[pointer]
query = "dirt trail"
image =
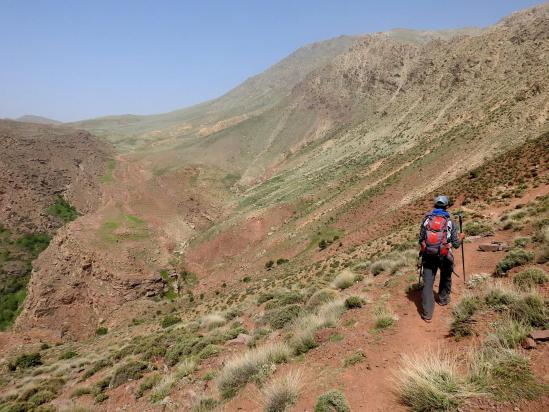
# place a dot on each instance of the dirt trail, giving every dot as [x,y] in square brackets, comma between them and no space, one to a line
[370,385]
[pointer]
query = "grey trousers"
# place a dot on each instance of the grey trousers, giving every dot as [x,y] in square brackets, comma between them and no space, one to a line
[430,267]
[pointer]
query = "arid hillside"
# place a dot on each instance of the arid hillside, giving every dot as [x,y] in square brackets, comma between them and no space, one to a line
[229,251]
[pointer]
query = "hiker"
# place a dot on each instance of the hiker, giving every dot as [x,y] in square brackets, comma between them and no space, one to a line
[437,235]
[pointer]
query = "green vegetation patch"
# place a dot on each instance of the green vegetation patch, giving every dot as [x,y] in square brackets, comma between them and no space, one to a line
[530,278]
[280,317]
[515,257]
[332,401]
[63,210]
[25,361]
[462,323]
[107,177]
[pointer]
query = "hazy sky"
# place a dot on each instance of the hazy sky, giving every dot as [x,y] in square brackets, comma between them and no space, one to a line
[78,59]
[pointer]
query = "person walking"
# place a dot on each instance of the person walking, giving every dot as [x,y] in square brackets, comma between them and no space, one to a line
[437,235]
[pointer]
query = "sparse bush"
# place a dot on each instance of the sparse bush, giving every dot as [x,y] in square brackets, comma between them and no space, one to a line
[542,237]
[101,397]
[102,330]
[432,383]
[354,302]
[68,354]
[209,351]
[283,298]
[530,278]
[170,320]
[463,316]
[505,374]
[476,228]
[515,257]
[353,358]
[163,388]
[280,394]
[520,242]
[242,368]
[332,401]
[500,296]
[96,367]
[27,360]
[278,318]
[344,280]
[127,372]
[477,279]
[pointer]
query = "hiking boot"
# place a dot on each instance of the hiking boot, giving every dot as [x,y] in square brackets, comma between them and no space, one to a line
[426,319]
[444,302]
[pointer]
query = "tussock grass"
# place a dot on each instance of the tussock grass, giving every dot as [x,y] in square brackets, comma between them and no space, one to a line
[332,401]
[393,262]
[500,295]
[244,367]
[304,328]
[205,404]
[530,278]
[321,297]
[431,383]
[462,323]
[212,321]
[345,279]
[531,309]
[477,279]
[164,387]
[280,394]
[146,384]
[384,317]
[509,333]
[353,358]
[504,373]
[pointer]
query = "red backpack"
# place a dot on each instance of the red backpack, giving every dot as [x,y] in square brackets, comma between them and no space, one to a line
[436,236]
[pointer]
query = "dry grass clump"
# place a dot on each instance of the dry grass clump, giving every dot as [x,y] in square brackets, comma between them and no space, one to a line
[384,317]
[477,280]
[509,333]
[243,368]
[431,383]
[212,321]
[345,279]
[280,394]
[394,261]
[462,324]
[164,387]
[303,330]
[321,297]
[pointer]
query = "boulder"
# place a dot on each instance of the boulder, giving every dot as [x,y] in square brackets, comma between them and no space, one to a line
[540,335]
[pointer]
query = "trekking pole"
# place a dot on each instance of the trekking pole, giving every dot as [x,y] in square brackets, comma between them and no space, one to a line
[460,215]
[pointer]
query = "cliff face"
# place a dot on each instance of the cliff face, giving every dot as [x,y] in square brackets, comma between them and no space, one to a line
[38,163]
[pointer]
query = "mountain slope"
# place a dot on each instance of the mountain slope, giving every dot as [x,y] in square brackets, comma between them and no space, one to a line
[30,118]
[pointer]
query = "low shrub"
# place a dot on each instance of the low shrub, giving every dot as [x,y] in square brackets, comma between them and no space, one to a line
[169,320]
[280,394]
[127,372]
[209,351]
[354,302]
[530,278]
[280,317]
[283,298]
[332,401]
[96,367]
[476,228]
[205,405]
[515,257]
[68,355]
[102,330]
[27,360]
[41,397]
